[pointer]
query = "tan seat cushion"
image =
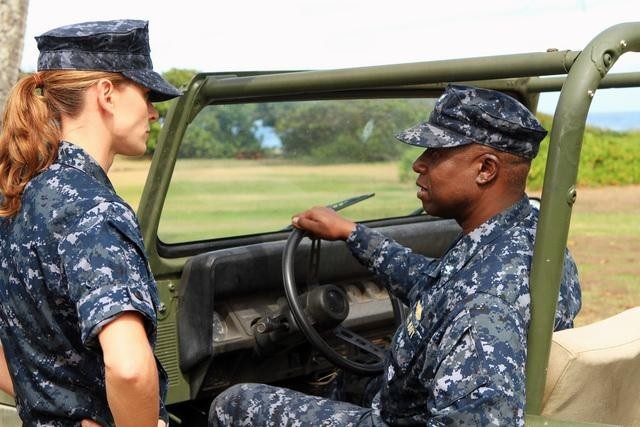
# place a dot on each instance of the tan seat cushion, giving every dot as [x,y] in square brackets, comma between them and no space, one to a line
[594,372]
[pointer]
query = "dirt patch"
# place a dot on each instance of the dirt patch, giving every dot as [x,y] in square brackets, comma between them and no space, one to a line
[609,274]
[605,199]
[609,264]
[609,199]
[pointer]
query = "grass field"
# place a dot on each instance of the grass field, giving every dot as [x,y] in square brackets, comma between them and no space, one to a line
[226,197]
[605,241]
[221,198]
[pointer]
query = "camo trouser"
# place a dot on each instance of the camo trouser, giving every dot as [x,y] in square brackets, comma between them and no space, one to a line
[264,405]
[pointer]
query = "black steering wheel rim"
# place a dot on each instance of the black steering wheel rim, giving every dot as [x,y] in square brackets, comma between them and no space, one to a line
[301,319]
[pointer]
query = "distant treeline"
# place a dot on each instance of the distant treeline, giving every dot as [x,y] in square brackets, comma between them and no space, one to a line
[363,131]
[607,158]
[319,131]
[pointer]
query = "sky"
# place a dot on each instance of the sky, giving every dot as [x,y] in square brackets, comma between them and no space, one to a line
[240,35]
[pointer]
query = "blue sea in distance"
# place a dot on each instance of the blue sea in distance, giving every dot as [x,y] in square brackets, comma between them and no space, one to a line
[617,121]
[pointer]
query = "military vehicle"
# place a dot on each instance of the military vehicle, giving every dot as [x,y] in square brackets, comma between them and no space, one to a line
[246,299]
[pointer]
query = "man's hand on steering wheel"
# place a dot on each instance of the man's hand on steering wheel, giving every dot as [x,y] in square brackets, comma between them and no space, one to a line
[324,223]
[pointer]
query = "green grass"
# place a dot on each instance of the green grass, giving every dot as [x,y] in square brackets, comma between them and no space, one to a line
[610,224]
[229,198]
[222,198]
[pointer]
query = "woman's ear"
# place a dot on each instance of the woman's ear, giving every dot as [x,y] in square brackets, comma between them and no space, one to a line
[105,95]
[488,167]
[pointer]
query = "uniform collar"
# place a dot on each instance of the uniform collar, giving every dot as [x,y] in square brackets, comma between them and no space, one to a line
[464,248]
[494,227]
[73,156]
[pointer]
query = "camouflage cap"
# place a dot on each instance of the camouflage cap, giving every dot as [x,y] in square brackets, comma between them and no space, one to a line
[465,115]
[120,46]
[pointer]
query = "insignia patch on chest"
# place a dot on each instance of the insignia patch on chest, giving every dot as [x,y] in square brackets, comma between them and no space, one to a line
[413,319]
[411,329]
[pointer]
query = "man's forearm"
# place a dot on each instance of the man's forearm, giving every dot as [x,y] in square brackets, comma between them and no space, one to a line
[395,265]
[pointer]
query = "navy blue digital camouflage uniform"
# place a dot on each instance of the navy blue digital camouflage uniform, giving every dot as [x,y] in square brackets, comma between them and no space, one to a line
[71,261]
[72,258]
[460,356]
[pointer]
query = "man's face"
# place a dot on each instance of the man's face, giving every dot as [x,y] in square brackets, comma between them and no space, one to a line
[446,180]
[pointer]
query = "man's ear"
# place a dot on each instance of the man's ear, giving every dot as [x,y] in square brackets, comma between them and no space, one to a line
[105,95]
[488,167]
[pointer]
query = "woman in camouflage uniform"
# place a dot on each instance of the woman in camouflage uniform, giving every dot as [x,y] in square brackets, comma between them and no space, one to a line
[78,313]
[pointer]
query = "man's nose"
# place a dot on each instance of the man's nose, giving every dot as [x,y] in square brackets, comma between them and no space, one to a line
[419,166]
[153,113]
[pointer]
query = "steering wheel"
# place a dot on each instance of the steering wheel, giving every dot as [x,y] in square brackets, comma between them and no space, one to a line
[336,299]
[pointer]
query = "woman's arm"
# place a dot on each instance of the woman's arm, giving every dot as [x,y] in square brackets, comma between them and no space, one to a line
[6,384]
[131,375]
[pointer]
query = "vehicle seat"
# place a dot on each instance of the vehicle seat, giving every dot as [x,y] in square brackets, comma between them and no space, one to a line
[594,372]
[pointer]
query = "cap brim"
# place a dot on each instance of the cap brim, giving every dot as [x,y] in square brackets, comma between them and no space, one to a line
[432,136]
[161,90]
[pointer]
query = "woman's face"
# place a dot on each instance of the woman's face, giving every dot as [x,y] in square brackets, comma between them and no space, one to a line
[133,114]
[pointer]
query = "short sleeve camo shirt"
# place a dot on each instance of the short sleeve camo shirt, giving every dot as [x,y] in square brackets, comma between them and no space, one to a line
[71,260]
[460,356]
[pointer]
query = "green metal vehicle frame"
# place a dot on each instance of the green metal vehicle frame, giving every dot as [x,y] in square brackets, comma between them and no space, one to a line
[576,74]
[585,71]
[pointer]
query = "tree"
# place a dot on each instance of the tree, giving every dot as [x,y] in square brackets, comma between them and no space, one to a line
[13,17]
[179,78]
[222,131]
[359,130]
[349,130]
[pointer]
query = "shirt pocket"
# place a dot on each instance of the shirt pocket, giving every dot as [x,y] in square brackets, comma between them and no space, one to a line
[462,367]
[407,343]
[130,232]
[143,290]
[147,280]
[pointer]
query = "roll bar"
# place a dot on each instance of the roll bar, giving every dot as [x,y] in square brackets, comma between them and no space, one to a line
[585,70]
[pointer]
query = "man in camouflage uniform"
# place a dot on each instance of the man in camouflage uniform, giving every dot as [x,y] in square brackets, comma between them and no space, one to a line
[460,356]
[72,260]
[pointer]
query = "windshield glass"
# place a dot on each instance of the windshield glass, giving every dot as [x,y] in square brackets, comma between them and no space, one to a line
[245,169]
